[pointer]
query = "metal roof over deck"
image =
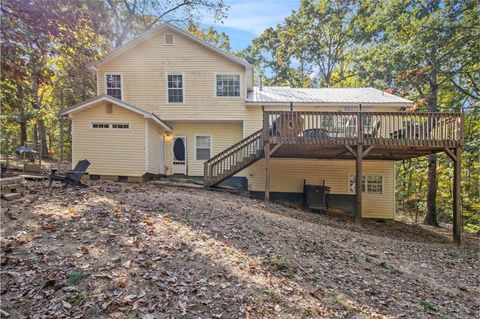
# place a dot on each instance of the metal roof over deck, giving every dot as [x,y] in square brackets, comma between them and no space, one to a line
[367,95]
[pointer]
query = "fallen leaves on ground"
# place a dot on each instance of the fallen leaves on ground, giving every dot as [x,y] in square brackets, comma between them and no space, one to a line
[118,250]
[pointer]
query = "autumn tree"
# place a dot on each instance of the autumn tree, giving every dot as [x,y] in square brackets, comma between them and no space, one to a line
[218,39]
[131,17]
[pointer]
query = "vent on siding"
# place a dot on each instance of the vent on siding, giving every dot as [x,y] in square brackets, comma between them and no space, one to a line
[109,108]
[169,39]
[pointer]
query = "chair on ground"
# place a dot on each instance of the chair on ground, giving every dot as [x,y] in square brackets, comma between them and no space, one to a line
[73,177]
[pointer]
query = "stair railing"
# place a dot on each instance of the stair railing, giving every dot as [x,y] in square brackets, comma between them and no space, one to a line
[233,159]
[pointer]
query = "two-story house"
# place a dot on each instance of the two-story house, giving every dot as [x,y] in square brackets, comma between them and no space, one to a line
[170,103]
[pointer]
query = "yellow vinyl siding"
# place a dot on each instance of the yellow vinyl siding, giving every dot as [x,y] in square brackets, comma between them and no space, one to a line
[110,151]
[144,69]
[154,136]
[287,175]
[223,135]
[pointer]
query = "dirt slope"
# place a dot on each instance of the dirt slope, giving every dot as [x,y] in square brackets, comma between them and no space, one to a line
[149,251]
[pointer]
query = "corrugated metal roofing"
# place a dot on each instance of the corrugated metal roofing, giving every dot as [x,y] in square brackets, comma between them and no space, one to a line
[277,94]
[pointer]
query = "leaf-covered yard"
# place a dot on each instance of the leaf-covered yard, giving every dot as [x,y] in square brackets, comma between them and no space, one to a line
[150,251]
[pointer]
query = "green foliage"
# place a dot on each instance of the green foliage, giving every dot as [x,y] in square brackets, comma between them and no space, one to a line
[218,39]
[75,277]
[427,304]
[426,51]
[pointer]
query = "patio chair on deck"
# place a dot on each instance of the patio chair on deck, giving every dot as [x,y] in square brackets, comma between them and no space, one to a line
[73,177]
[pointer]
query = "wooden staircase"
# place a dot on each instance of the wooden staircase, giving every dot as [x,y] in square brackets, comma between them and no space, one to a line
[234,159]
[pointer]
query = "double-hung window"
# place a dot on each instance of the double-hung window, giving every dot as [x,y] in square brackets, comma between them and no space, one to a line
[228,85]
[175,88]
[203,145]
[114,85]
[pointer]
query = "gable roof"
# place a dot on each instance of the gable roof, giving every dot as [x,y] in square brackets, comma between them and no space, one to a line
[367,95]
[152,32]
[107,98]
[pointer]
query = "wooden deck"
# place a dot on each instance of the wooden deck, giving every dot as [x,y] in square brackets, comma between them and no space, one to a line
[391,135]
[345,135]
[365,136]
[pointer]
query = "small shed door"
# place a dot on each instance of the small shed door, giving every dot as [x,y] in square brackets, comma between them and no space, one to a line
[161,155]
[180,155]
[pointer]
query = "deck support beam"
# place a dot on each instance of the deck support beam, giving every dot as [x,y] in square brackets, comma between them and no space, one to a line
[267,171]
[457,205]
[358,184]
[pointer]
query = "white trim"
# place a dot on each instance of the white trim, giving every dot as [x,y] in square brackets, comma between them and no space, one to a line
[73,141]
[215,85]
[195,146]
[173,153]
[394,188]
[166,87]
[165,39]
[105,74]
[107,98]
[146,145]
[98,82]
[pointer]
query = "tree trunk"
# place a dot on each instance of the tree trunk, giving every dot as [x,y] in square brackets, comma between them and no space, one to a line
[431,213]
[43,137]
[23,131]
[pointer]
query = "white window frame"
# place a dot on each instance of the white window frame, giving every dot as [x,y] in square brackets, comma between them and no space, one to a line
[183,87]
[195,146]
[226,97]
[110,126]
[121,83]
[165,39]
[352,176]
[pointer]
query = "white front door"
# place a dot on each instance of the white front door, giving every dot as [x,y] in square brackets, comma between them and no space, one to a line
[161,156]
[180,155]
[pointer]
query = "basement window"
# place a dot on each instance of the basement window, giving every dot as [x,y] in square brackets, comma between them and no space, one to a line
[371,184]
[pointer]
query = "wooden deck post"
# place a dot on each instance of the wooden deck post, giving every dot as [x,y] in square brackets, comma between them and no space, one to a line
[266,150]
[457,205]
[267,171]
[358,167]
[358,184]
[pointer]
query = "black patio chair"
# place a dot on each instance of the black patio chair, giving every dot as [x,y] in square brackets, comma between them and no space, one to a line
[73,177]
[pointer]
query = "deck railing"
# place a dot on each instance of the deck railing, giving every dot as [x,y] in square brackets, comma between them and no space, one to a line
[233,159]
[378,128]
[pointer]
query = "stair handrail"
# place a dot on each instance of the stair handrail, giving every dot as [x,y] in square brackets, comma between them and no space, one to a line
[243,142]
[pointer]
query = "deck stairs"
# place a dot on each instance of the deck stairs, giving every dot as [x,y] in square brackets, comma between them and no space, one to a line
[234,159]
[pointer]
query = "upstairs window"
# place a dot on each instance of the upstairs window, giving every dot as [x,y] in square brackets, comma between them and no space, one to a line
[203,147]
[228,85]
[114,85]
[175,88]
[169,39]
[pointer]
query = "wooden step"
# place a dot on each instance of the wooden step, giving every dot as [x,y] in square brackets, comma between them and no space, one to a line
[12,188]
[11,196]
[11,180]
